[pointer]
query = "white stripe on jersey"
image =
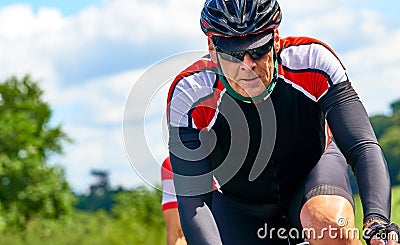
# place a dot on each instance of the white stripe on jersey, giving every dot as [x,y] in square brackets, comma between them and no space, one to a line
[187,92]
[217,110]
[319,58]
[168,191]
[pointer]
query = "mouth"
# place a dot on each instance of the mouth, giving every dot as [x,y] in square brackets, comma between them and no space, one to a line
[250,80]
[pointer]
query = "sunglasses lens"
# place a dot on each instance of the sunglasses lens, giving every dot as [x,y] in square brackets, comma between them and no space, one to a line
[261,51]
[265,49]
[238,56]
[235,57]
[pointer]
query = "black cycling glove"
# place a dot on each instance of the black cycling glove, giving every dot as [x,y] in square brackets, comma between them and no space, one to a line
[381,231]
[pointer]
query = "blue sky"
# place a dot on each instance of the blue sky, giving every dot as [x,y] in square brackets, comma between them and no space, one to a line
[389,9]
[66,7]
[90,55]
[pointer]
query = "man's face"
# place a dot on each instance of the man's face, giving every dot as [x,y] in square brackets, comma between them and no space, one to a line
[253,72]
[250,77]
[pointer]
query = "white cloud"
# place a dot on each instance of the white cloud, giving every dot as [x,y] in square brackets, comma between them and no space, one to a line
[37,43]
[375,71]
[372,24]
[23,23]
[103,98]
[28,42]
[96,148]
[137,22]
[360,35]
[328,25]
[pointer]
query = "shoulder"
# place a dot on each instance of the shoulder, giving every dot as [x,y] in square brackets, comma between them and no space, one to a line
[201,73]
[302,42]
[195,86]
[309,65]
[307,48]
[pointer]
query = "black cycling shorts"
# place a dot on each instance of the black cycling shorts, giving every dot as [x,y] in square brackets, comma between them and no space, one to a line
[248,223]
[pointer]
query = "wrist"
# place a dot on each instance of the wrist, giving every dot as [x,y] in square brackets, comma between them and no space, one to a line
[374,217]
[369,222]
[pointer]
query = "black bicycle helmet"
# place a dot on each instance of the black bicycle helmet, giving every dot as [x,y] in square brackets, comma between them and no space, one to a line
[239,17]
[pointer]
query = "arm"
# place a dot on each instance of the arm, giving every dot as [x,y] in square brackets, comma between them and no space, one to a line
[174,231]
[193,192]
[189,154]
[355,137]
[351,128]
[170,206]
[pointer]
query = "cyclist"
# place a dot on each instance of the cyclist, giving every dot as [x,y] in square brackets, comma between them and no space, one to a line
[170,206]
[260,115]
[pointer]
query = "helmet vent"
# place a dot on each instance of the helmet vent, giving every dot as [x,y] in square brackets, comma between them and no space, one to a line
[239,17]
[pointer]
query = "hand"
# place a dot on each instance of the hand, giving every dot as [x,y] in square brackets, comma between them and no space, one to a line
[391,241]
[382,234]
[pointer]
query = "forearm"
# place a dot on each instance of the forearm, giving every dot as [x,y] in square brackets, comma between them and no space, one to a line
[354,135]
[194,201]
[175,236]
[197,222]
[173,227]
[366,158]
[373,183]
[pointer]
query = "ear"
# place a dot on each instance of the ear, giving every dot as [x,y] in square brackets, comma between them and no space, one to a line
[277,44]
[211,50]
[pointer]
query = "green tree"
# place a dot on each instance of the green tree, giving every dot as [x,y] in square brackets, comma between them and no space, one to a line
[395,106]
[380,123]
[390,142]
[29,187]
[387,130]
[138,217]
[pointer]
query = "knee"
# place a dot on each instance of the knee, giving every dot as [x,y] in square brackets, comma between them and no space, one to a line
[327,213]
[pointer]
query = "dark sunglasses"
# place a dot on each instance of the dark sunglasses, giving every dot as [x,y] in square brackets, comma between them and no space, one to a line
[238,56]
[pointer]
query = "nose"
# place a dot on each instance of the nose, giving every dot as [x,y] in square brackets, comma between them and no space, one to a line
[248,62]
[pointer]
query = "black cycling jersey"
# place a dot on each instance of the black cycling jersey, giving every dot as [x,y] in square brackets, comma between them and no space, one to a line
[261,151]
